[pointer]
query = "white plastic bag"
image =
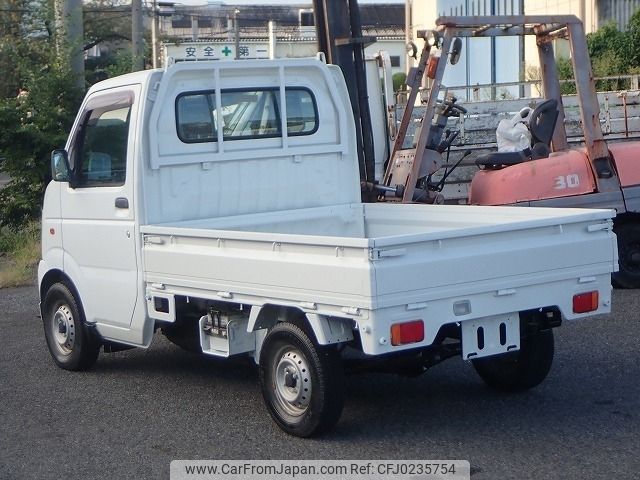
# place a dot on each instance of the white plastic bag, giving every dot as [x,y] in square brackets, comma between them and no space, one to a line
[513,134]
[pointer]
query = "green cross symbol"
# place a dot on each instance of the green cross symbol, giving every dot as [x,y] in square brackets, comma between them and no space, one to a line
[226,51]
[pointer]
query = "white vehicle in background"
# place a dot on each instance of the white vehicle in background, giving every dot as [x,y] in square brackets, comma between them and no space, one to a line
[220,202]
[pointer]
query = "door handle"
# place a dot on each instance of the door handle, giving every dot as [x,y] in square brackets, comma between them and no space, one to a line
[122,202]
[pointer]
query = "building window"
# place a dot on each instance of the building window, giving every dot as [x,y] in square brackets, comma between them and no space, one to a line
[395,60]
[307,18]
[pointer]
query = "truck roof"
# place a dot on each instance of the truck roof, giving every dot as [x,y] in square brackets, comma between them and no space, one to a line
[143,75]
[126,79]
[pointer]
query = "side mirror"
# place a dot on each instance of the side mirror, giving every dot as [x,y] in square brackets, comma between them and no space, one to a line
[60,170]
[456,50]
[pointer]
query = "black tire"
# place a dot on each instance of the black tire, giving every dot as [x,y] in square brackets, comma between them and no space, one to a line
[185,334]
[521,370]
[302,383]
[629,256]
[73,346]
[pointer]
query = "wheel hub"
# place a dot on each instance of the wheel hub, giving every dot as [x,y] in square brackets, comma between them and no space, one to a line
[293,382]
[64,329]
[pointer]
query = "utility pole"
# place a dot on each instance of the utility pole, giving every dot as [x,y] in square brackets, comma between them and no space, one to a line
[137,49]
[70,35]
[236,32]
[154,34]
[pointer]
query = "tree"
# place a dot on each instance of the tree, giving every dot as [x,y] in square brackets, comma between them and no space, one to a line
[38,99]
[36,111]
[613,53]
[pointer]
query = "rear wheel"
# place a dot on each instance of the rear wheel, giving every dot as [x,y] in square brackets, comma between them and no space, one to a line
[521,370]
[302,383]
[71,344]
[185,333]
[629,256]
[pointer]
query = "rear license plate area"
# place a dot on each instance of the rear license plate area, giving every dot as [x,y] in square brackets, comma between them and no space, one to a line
[483,337]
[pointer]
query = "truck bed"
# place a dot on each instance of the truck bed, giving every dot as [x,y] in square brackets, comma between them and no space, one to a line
[367,258]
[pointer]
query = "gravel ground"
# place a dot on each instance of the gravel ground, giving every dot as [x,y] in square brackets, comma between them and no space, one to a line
[139,409]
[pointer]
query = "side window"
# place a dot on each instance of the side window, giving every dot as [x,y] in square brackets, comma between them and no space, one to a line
[302,113]
[99,153]
[196,118]
[247,114]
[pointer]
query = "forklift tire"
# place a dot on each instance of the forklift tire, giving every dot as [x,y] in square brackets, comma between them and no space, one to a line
[521,370]
[73,345]
[302,382]
[629,256]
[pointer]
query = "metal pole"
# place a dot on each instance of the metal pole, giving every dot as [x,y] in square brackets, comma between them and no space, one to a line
[493,56]
[236,31]
[137,55]
[154,34]
[521,48]
[272,39]
[408,32]
[467,59]
[363,97]
[194,27]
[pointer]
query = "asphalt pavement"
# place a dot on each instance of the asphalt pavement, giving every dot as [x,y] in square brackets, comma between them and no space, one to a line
[137,410]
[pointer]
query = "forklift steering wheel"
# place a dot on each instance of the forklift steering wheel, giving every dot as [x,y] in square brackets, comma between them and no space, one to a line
[456,110]
[452,109]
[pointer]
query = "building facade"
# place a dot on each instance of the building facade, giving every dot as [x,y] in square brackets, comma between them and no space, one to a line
[509,59]
[209,32]
[483,60]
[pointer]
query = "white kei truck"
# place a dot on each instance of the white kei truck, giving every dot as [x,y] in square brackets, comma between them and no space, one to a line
[220,203]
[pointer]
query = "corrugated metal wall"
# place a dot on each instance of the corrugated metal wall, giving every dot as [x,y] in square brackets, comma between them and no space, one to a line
[479,7]
[619,11]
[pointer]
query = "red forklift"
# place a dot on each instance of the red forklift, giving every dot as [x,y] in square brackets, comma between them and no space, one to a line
[546,173]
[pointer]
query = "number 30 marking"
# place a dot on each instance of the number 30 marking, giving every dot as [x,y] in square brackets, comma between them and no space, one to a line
[568,181]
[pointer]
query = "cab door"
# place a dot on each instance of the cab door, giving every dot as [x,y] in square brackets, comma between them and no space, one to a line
[98,210]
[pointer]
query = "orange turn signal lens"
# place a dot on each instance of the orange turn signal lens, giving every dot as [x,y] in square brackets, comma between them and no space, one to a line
[586,302]
[408,332]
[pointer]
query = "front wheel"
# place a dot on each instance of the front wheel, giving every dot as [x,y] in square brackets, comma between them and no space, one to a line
[521,370]
[71,344]
[302,383]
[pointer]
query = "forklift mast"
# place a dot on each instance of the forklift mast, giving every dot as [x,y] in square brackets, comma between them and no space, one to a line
[339,36]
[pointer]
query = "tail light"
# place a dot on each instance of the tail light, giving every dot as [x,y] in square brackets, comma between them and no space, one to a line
[407,332]
[585,302]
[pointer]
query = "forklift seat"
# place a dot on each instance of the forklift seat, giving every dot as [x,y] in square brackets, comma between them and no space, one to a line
[542,124]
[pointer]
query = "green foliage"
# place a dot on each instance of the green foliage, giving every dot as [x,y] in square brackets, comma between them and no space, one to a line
[607,40]
[613,53]
[107,22]
[19,255]
[399,79]
[565,72]
[120,64]
[36,111]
